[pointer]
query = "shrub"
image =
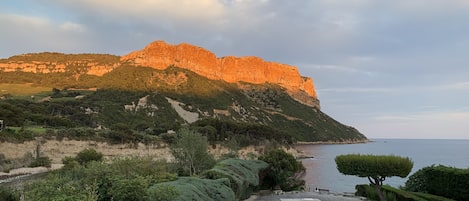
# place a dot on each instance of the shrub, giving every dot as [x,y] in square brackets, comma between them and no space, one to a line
[162,193]
[42,161]
[168,138]
[440,180]
[195,189]
[396,194]
[7,194]
[243,175]
[88,155]
[283,170]
[69,163]
[129,189]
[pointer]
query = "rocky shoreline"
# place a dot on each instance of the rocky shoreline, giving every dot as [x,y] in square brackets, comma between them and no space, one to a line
[334,142]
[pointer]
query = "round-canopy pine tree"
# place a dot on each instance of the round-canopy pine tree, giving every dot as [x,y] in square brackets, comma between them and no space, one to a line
[375,167]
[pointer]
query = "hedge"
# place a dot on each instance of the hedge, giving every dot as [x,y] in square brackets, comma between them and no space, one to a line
[440,180]
[397,194]
[230,179]
[243,174]
[196,189]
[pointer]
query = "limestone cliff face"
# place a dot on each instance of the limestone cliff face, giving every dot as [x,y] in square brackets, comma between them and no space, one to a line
[160,55]
[48,63]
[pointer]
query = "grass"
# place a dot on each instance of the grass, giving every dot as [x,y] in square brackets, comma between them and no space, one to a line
[35,129]
[22,89]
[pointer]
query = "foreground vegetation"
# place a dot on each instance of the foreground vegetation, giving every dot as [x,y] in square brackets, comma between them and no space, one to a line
[441,180]
[193,173]
[375,168]
[434,183]
[394,194]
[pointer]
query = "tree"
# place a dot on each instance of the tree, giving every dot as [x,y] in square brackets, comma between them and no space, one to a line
[284,170]
[190,152]
[375,168]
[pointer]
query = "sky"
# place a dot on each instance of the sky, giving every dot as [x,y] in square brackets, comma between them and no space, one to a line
[391,69]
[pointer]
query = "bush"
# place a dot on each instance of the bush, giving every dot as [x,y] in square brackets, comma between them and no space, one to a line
[129,189]
[243,175]
[195,189]
[283,171]
[162,193]
[42,161]
[7,194]
[391,193]
[168,138]
[88,155]
[440,180]
[69,163]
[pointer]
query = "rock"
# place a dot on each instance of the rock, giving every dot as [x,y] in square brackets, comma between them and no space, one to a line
[46,62]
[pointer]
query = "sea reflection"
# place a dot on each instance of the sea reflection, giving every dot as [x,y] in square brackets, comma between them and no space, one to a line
[321,171]
[313,168]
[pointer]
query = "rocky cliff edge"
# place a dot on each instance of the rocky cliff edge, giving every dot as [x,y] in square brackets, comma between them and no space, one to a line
[249,69]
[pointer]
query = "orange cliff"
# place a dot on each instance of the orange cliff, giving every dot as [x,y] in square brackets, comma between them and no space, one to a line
[48,62]
[160,55]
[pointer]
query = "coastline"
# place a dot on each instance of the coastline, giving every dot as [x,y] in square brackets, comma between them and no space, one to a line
[333,142]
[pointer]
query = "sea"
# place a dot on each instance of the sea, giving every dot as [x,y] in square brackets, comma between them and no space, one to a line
[321,170]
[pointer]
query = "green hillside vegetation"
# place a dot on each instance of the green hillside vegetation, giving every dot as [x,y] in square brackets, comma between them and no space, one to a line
[255,107]
[8,90]
[63,58]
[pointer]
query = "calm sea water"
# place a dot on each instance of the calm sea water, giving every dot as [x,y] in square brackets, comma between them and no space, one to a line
[321,171]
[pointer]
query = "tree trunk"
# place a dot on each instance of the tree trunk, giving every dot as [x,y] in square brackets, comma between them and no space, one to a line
[378,181]
[380,193]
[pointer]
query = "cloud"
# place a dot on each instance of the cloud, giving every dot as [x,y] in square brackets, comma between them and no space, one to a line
[434,124]
[74,27]
[426,116]
[156,12]
[23,34]
[454,86]
[457,86]
[23,21]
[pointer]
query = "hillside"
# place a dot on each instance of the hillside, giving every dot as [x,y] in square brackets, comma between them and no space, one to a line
[146,98]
